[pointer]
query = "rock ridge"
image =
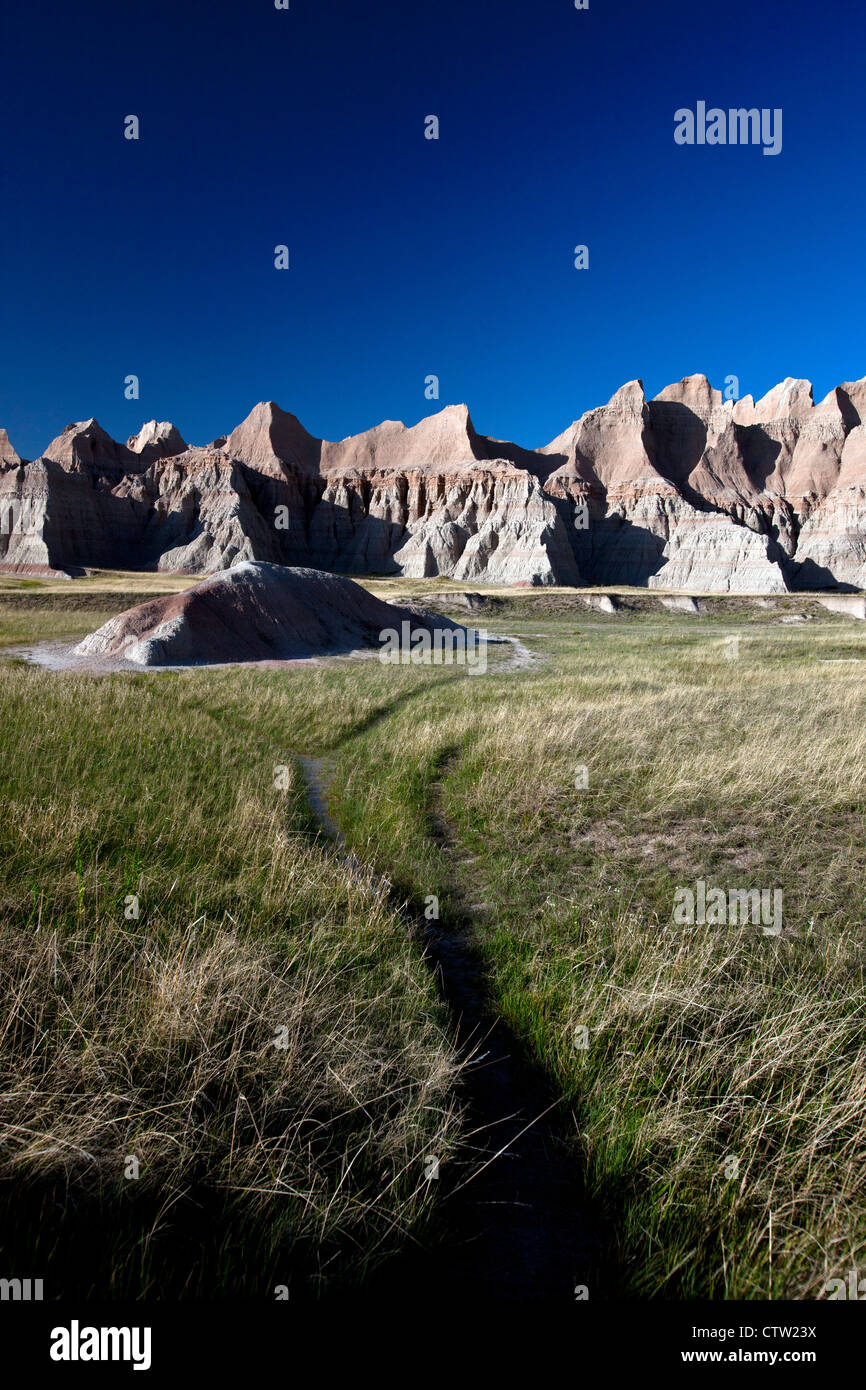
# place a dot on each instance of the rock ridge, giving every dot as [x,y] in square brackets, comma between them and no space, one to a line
[685,490]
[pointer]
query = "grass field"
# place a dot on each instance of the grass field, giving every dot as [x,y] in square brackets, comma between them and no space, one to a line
[712,1077]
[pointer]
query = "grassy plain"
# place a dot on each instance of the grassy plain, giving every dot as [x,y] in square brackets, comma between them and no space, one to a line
[720,1098]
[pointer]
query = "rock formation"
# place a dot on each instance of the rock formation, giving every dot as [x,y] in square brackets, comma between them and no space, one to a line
[254,612]
[156,439]
[684,491]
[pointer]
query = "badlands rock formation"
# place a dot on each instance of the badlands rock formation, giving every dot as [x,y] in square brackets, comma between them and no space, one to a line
[252,612]
[684,491]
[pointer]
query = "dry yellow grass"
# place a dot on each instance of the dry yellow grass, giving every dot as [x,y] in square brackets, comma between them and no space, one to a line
[711,1050]
[263,1038]
[720,1102]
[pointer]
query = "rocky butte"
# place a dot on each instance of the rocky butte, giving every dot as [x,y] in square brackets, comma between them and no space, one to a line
[254,612]
[684,491]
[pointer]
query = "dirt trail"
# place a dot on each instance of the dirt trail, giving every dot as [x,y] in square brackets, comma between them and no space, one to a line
[522,658]
[517,1222]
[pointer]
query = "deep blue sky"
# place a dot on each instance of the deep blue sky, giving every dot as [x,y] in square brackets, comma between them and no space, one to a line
[409,256]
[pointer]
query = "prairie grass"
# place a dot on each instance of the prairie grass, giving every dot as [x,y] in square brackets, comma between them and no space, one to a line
[263,1038]
[720,1101]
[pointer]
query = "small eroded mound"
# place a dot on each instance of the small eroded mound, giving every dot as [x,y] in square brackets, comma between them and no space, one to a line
[252,612]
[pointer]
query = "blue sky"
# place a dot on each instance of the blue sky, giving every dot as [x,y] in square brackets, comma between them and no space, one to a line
[412,257]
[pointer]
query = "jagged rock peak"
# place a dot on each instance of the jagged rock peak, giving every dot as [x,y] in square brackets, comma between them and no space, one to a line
[793,396]
[270,436]
[692,391]
[449,429]
[629,400]
[85,441]
[157,439]
[855,393]
[630,396]
[446,439]
[8,456]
